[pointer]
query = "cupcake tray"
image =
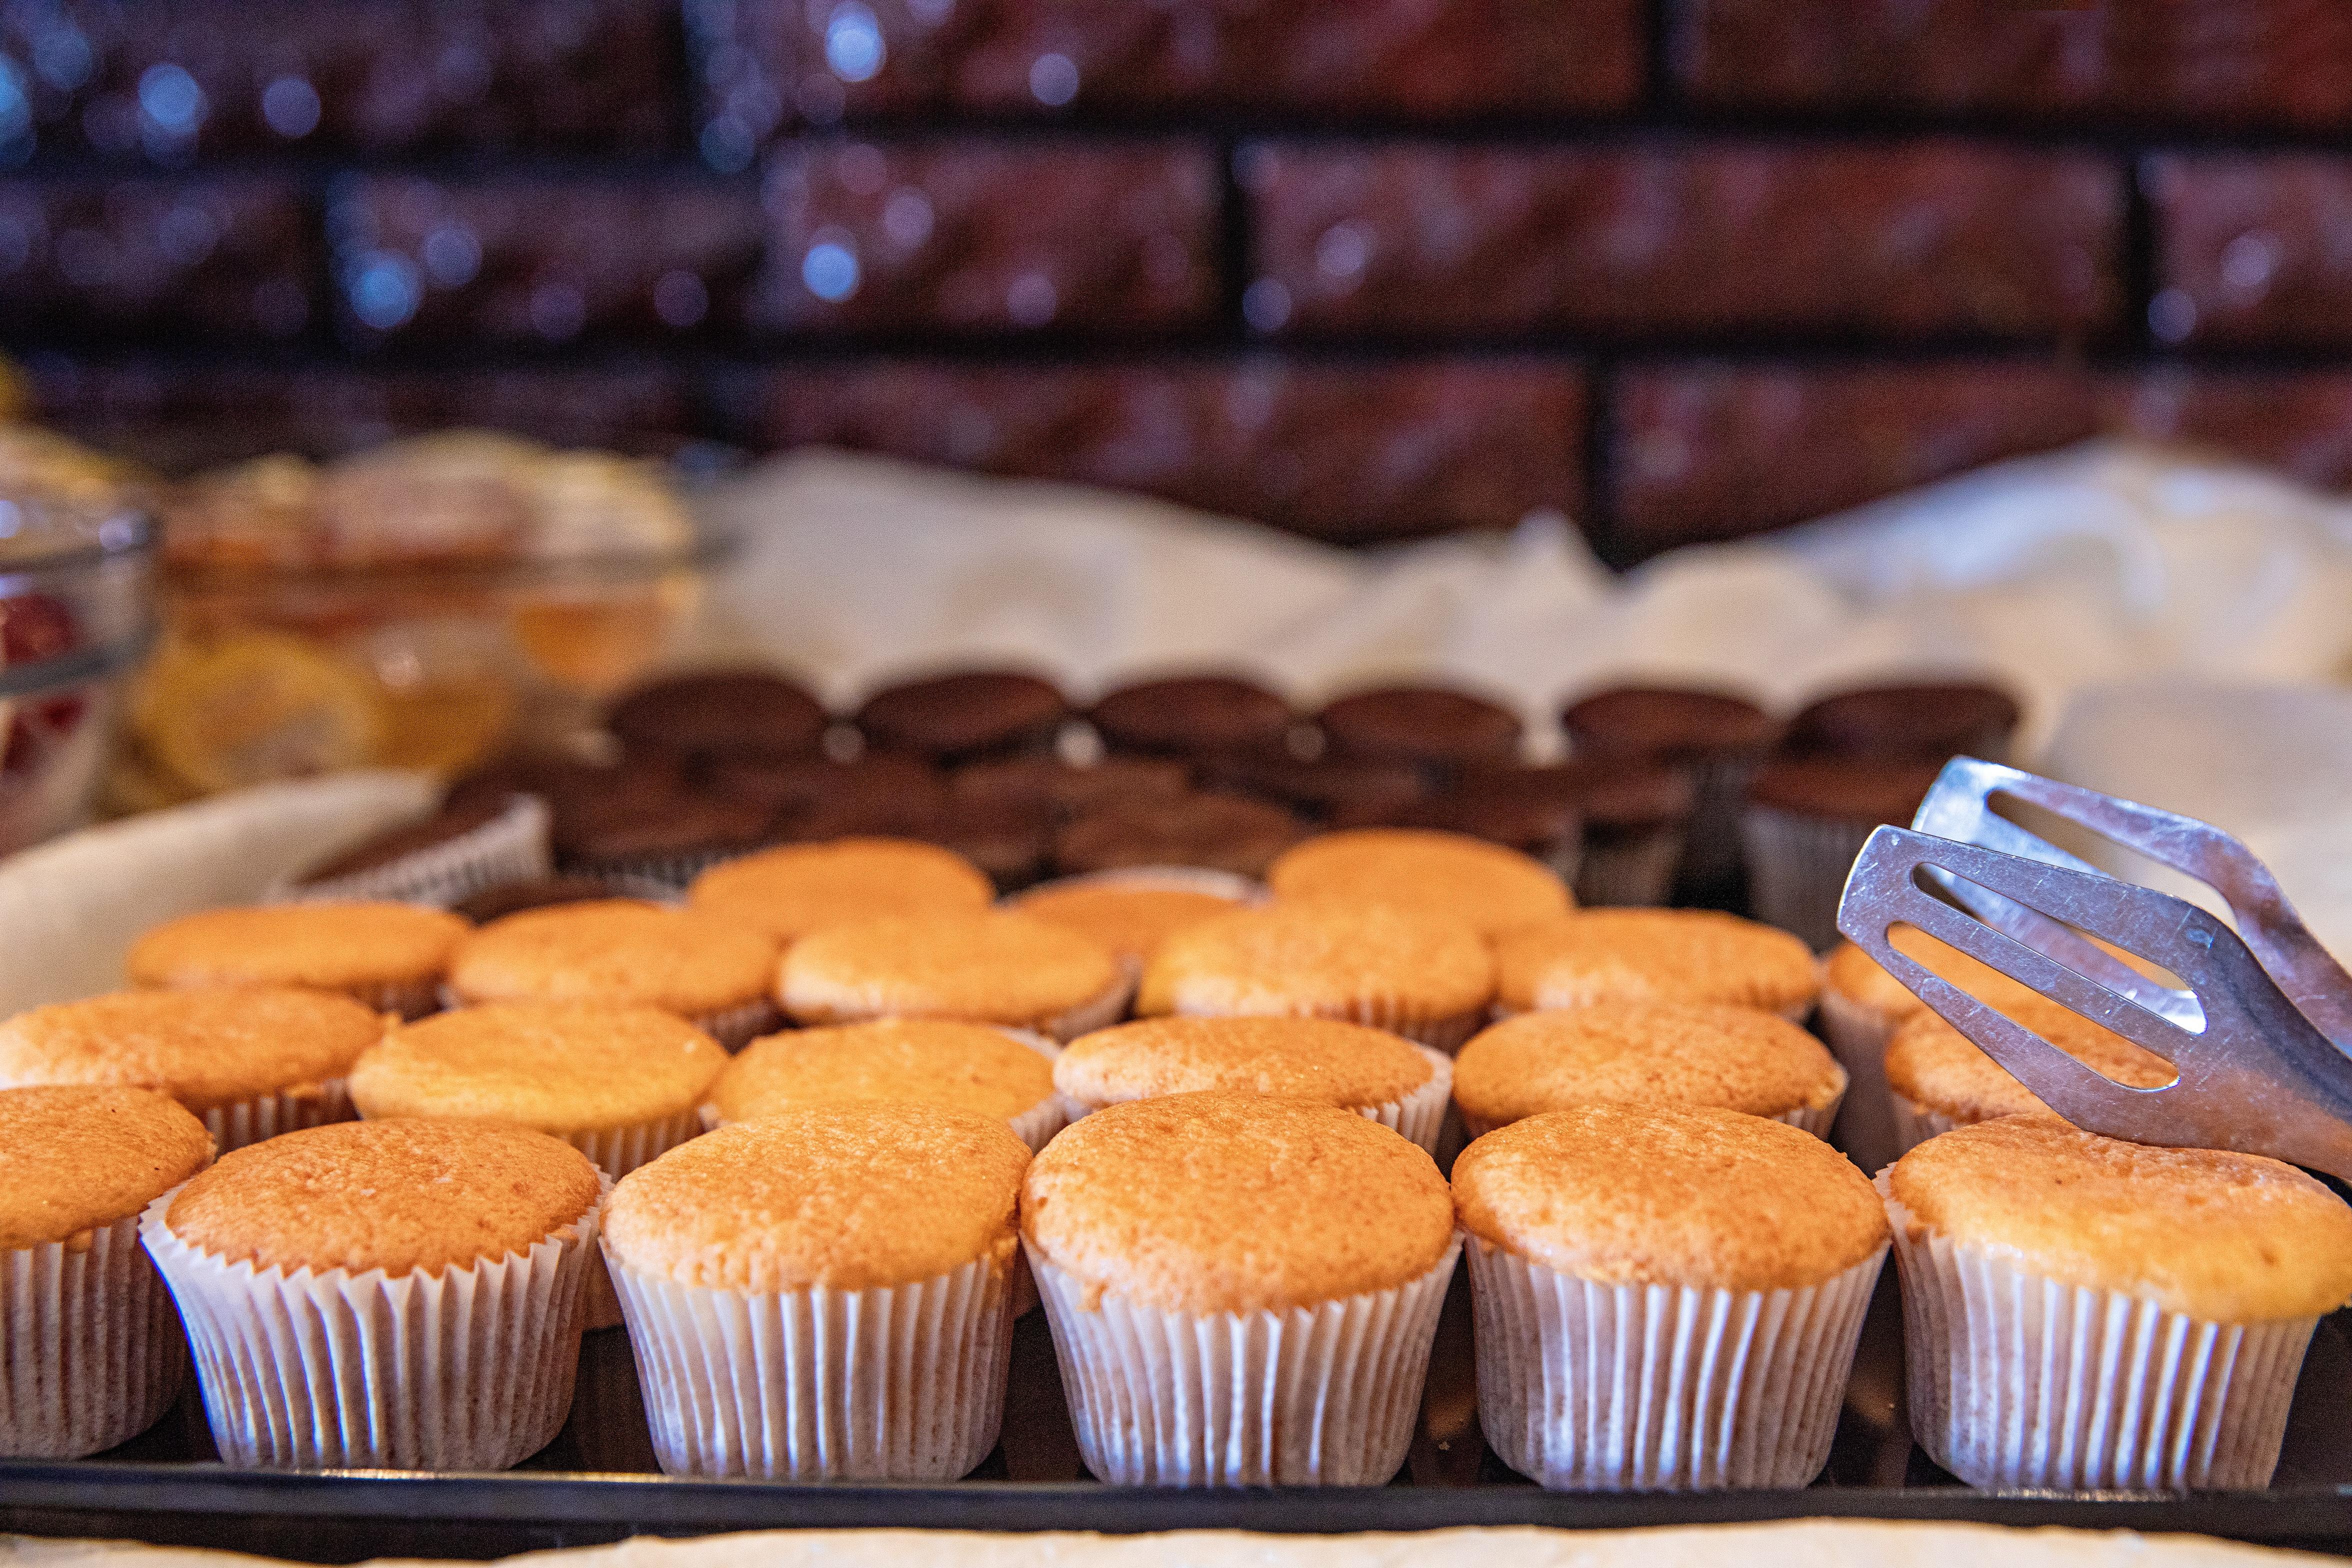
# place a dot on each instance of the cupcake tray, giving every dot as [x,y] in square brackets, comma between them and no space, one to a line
[597,1482]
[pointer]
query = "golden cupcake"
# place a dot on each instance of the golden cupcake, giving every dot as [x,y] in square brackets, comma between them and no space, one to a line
[252,1061]
[826,1293]
[992,967]
[1402,1086]
[1937,1079]
[90,1350]
[1668,1297]
[385,1295]
[1424,976]
[388,956]
[2075,1306]
[1647,1053]
[711,972]
[1492,889]
[974,1068]
[1131,914]
[1655,955]
[1196,1224]
[797,888]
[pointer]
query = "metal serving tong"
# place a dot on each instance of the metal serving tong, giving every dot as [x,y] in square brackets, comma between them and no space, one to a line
[2260,1032]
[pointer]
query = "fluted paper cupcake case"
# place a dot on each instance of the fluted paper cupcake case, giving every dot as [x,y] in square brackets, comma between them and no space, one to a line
[1585,1386]
[1867,1126]
[903,1383]
[471,1370]
[2018,1380]
[1719,793]
[512,846]
[1320,1395]
[1100,1012]
[1419,1116]
[1797,867]
[1813,1119]
[1915,1124]
[90,1351]
[617,1151]
[662,878]
[1636,874]
[244,1121]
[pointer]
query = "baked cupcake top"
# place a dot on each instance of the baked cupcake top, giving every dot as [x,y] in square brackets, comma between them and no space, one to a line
[1688,1196]
[205,1047]
[855,1197]
[797,888]
[1132,920]
[617,951]
[994,968]
[2231,1238]
[403,1195]
[564,1068]
[1655,955]
[1644,1052]
[1495,890]
[933,1061]
[1311,959]
[333,946]
[1236,1203]
[76,1156]
[1857,977]
[1320,1059]
[1936,1067]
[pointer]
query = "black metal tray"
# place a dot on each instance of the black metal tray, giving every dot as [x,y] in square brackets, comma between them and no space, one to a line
[597,1481]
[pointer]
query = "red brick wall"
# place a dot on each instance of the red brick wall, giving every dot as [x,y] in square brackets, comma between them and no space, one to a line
[1685,268]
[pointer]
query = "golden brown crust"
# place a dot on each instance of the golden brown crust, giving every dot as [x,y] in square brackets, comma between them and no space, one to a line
[1936,1067]
[973,1067]
[1132,922]
[992,967]
[855,1197]
[1655,955]
[331,946]
[206,1046]
[1318,1059]
[1493,889]
[1236,1203]
[1374,964]
[1676,1196]
[2231,1238]
[1856,976]
[76,1156]
[402,1195]
[798,889]
[562,1068]
[617,951]
[1643,1053]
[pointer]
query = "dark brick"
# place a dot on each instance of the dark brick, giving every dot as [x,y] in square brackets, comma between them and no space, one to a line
[378,76]
[2296,421]
[977,236]
[762,64]
[519,259]
[2219,63]
[1927,239]
[1713,451]
[1342,452]
[2252,250]
[219,257]
[178,416]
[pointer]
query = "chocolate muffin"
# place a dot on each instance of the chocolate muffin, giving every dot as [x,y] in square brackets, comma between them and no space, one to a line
[964,716]
[1806,820]
[719,714]
[399,843]
[1428,726]
[794,787]
[1632,818]
[1012,840]
[1191,716]
[1925,723]
[1061,789]
[1674,724]
[1328,789]
[668,839]
[1223,832]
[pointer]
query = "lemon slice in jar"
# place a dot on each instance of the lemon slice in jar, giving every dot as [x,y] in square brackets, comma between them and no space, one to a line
[252,707]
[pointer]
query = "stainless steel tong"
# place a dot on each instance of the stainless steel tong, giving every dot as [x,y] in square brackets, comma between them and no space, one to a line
[2260,1029]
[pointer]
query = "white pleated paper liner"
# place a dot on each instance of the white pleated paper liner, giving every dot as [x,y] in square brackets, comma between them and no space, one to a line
[1813,1119]
[2016,1380]
[1100,1012]
[1321,1396]
[244,1121]
[1637,872]
[90,1352]
[1711,850]
[1915,1124]
[1419,1116]
[1584,1386]
[471,1370]
[617,1151]
[1797,867]
[903,1383]
[1857,1037]
[512,846]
